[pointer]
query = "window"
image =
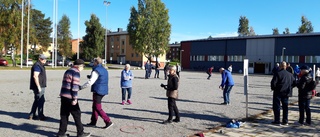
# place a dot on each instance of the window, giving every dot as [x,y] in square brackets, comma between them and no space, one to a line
[122,51]
[137,55]
[132,55]
[112,39]
[111,54]
[173,49]
[123,42]
[118,39]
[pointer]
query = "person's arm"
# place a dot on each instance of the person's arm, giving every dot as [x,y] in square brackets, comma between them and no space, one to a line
[224,79]
[93,78]
[36,73]
[274,81]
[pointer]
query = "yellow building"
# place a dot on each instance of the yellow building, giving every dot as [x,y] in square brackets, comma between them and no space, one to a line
[119,51]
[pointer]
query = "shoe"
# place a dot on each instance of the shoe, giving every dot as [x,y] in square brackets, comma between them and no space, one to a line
[298,123]
[307,124]
[224,103]
[167,122]
[284,124]
[108,125]
[176,120]
[64,135]
[123,102]
[85,135]
[43,118]
[129,102]
[90,125]
[275,123]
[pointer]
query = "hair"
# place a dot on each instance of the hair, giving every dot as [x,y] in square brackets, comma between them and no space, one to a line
[283,64]
[127,65]
[98,60]
[172,68]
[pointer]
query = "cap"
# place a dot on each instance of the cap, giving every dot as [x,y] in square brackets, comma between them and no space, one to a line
[78,62]
[304,67]
[42,56]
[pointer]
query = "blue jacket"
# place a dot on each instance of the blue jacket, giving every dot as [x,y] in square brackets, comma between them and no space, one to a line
[126,83]
[227,79]
[100,86]
[297,69]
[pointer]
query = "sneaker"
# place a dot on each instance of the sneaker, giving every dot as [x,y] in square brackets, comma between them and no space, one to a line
[123,102]
[64,135]
[129,102]
[298,124]
[90,124]
[167,122]
[176,120]
[275,123]
[85,135]
[224,103]
[284,124]
[108,125]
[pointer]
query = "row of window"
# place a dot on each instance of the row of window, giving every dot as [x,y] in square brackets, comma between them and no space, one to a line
[295,59]
[234,58]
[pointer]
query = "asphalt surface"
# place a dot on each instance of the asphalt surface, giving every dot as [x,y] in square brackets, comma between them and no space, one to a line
[199,104]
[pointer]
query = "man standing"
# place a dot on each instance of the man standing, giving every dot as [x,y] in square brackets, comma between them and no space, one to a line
[156,67]
[99,80]
[38,83]
[209,72]
[178,69]
[226,85]
[281,84]
[69,100]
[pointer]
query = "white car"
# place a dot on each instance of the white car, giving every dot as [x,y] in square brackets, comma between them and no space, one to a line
[29,62]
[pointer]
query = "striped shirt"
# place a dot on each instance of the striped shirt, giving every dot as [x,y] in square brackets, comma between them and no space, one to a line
[70,84]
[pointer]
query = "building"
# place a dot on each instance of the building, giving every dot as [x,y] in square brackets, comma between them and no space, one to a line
[119,51]
[174,52]
[261,51]
[75,45]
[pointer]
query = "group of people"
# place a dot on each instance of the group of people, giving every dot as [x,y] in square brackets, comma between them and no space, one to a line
[98,80]
[283,81]
[149,66]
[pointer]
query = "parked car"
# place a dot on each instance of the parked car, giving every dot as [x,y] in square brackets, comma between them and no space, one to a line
[68,63]
[3,62]
[29,62]
[49,63]
[59,63]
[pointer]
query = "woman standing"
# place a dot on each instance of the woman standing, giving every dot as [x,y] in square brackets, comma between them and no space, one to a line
[126,84]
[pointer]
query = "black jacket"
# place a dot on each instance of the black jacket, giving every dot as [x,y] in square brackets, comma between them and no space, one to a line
[282,83]
[42,76]
[305,91]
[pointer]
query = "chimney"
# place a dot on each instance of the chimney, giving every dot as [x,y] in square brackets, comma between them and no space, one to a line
[119,29]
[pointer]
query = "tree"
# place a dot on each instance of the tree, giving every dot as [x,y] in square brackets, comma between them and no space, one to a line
[243,29]
[251,32]
[64,36]
[286,31]
[275,31]
[149,28]
[93,41]
[306,26]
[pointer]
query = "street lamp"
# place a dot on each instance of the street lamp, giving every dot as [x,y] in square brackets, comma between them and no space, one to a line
[28,33]
[106,3]
[181,57]
[78,28]
[282,57]
[21,54]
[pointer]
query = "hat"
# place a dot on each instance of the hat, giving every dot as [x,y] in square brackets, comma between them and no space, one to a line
[78,62]
[42,56]
[304,67]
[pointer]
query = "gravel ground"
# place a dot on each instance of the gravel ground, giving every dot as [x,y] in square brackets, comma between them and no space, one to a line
[199,104]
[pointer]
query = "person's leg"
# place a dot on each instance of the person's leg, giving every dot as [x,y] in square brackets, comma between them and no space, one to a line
[65,108]
[94,115]
[176,111]
[146,76]
[170,107]
[123,90]
[41,104]
[276,108]
[225,90]
[76,114]
[100,111]
[284,102]
[34,106]
[129,95]
[229,88]
[301,103]
[308,111]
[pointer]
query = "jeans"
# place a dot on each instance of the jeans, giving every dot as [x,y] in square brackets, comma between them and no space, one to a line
[124,93]
[156,75]
[38,103]
[304,105]
[172,106]
[276,106]
[226,94]
[147,74]
[97,110]
[66,109]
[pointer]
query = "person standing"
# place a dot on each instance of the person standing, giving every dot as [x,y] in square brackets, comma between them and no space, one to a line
[230,68]
[305,88]
[172,94]
[318,75]
[226,85]
[166,70]
[282,83]
[275,69]
[69,100]
[156,67]
[38,83]
[209,72]
[148,68]
[126,84]
[98,80]
[296,72]
[289,68]
[178,69]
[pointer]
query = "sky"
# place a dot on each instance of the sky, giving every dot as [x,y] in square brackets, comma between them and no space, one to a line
[190,19]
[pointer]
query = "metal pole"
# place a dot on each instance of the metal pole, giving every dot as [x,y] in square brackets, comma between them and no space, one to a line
[107,3]
[56,47]
[28,33]
[21,52]
[283,48]
[78,29]
[53,31]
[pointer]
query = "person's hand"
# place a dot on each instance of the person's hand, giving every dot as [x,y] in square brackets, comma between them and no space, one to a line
[74,102]
[220,87]
[39,89]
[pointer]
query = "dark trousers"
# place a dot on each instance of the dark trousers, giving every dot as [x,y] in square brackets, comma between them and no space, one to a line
[156,75]
[165,74]
[209,75]
[172,106]
[178,73]
[276,106]
[226,94]
[124,90]
[304,106]
[65,110]
[97,110]
[38,103]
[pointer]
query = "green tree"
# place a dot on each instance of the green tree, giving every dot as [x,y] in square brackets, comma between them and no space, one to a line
[243,29]
[64,37]
[251,32]
[286,31]
[93,41]
[275,31]
[149,28]
[306,26]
